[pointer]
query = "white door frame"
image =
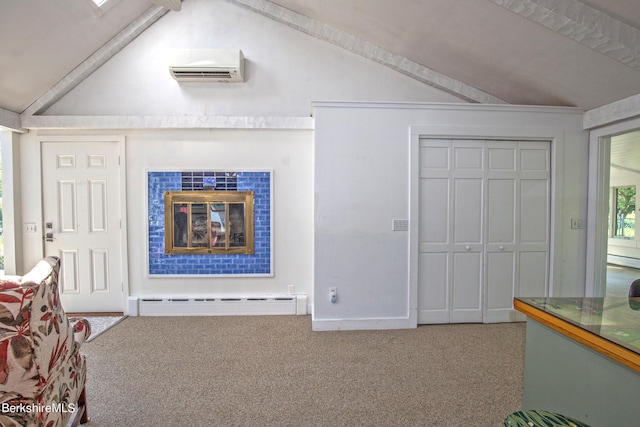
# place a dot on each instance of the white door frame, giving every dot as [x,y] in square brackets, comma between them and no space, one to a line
[597,208]
[554,136]
[120,141]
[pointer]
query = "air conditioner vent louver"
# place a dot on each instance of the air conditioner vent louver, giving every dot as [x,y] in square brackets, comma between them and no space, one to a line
[214,65]
[202,74]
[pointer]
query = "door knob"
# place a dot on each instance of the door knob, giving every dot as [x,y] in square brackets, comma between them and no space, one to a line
[501,248]
[467,248]
[49,237]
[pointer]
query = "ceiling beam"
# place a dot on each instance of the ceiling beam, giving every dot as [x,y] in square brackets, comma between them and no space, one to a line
[588,26]
[624,109]
[368,50]
[175,5]
[10,120]
[95,61]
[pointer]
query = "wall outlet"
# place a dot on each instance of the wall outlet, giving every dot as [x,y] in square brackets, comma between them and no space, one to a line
[292,289]
[400,225]
[333,295]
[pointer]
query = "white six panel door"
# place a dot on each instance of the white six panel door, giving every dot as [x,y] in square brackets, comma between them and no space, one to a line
[484,228]
[81,206]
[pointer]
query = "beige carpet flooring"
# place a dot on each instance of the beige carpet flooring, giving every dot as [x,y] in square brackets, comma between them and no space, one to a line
[274,371]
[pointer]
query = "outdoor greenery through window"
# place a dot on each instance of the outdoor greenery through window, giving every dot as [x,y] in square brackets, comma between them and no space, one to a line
[623,223]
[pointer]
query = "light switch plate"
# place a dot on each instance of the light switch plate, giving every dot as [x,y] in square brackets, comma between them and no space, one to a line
[578,223]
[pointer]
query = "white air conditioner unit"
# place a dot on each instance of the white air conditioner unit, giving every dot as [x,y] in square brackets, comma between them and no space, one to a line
[202,65]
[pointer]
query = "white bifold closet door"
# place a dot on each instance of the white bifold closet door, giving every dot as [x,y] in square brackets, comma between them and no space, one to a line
[484,228]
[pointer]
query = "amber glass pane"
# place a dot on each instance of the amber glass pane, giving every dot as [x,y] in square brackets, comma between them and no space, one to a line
[199,234]
[180,225]
[218,215]
[237,222]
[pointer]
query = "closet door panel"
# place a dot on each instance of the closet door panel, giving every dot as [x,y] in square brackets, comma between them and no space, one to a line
[466,305]
[468,230]
[501,269]
[501,210]
[468,212]
[534,211]
[534,270]
[434,211]
[435,230]
[502,229]
[434,277]
[535,219]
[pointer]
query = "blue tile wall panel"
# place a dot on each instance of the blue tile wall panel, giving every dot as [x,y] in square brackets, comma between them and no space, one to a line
[258,263]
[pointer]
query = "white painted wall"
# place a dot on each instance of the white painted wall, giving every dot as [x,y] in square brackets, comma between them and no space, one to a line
[362,154]
[285,71]
[355,164]
[287,153]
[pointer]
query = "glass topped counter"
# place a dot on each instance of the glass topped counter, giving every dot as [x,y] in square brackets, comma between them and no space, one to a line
[615,319]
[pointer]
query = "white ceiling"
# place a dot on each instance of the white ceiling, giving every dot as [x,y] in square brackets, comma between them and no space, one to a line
[42,41]
[543,52]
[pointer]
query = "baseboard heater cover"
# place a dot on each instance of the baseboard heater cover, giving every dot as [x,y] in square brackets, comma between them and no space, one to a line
[220,306]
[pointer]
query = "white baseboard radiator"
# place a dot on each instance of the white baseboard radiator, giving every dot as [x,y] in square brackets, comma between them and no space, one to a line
[227,305]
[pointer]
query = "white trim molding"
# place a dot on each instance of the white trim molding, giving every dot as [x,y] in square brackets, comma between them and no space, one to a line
[364,324]
[167,122]
[599,148]
[623,109]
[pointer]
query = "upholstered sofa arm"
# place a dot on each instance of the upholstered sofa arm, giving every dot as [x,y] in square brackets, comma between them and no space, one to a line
[40,359]
[81,329]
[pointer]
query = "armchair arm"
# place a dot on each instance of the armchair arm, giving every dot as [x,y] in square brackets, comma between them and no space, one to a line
[81,329]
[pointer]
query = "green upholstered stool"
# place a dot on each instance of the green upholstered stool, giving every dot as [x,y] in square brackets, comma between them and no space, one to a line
[533,418]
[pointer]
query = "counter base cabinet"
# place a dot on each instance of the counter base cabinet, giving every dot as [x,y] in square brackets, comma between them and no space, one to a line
[567,377]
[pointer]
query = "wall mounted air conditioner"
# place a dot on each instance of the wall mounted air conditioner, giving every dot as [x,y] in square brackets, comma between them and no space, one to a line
[207,65]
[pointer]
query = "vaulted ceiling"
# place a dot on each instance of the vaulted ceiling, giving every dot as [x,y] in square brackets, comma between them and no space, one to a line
[539,52]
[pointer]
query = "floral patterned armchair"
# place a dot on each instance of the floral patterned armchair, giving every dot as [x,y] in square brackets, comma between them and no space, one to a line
[42,373]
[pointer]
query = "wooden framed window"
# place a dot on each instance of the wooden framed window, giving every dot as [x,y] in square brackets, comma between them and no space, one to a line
[208,222]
